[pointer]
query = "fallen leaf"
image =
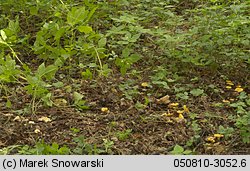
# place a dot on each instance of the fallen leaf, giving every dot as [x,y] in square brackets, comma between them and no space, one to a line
[17,118]
[225,101]
[60,102]
[163,100]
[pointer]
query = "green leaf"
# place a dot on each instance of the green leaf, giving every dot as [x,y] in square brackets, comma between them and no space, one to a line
[196,92]
[133,58]
[85,29]
[77,15]
[102,42]
[34,10]
[47,99]
[47,72]
[58,84]
[8,104]
[187,152]
[3,35]
[77,97]
[177,149]
[87,74]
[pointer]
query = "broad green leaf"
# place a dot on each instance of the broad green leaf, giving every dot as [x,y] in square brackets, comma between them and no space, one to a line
[4,37]
[8,104]
[126,52]
[47,99]
[85,29]
[87,74]
[34,10]
[47,72]
[102,42]
[91,13]
[77,15]
[58,84]
[197,92]
[77,97]
[59,34]
[178,149]
[133,58]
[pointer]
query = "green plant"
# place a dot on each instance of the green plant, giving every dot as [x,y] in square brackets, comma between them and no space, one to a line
[227,132]
[42,148]
[107,145]
[83,147]
[78,102]
[126,60]
[243,124]
[37,87]
[179,150]
[129,89]
[123,135]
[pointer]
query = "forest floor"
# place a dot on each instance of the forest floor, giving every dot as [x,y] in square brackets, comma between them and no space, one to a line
[187,92]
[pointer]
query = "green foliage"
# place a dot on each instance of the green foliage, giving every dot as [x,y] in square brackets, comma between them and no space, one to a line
[126,60]
[179,150]
[197,92]
[85,148]
[176,45]
[42,148]
[79,102]
[129,89]
[243,124]
[123,135]
[227,132]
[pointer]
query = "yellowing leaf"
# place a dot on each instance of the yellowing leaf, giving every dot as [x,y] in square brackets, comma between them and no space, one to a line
[218,135]
[225,101]
[18,118]
[228,87]
[239,89]
[144,84]
[44,119]
[104,109]
[60,102]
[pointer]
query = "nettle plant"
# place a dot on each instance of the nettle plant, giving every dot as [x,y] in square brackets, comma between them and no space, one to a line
[219,34]
[70,38]
[242,108]
[65,41]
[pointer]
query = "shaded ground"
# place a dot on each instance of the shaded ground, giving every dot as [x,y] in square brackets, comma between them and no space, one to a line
[153,132]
